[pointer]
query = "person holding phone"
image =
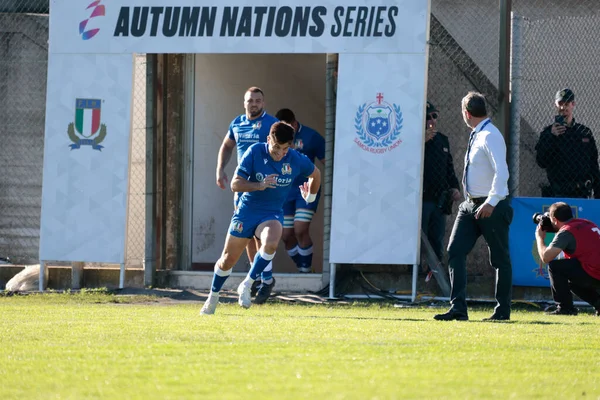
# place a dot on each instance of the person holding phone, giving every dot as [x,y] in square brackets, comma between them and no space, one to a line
[567,151]
[440,185]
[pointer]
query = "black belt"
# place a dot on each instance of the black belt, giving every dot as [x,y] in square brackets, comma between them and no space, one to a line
[477,200]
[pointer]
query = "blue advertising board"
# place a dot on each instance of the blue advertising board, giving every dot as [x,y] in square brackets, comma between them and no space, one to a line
[528,269]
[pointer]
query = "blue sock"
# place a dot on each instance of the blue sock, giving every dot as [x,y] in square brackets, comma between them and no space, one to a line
[261,260]
[295,256]
[267,275]
[306,256]
[219,279]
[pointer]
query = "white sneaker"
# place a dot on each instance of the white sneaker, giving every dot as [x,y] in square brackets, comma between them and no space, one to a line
[245,299]
[210,305]
[305,270]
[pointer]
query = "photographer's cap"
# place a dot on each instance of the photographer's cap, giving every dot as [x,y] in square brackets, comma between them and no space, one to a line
[431,108]
[564,95]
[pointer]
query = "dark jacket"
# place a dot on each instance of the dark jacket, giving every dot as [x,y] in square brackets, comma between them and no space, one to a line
[438,173]
[570,160]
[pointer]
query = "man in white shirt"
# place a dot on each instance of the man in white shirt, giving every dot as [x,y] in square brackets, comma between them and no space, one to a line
[486,211]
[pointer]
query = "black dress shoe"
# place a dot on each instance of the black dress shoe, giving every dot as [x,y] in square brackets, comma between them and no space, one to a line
[497,317]
[451,316]
[563,311]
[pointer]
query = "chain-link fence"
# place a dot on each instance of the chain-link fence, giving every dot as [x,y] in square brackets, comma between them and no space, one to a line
[552,49]
[136,215]
[23,71]
[463,57]
[554,42]
[23,68]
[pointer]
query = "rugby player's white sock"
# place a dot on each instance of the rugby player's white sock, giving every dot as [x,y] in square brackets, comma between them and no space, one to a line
[261,260]
[267,275]
[306,256]
[295,256]
[219,279]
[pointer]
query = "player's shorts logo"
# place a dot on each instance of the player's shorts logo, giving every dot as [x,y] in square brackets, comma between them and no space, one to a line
[237,226]
[378,126]
[286,169]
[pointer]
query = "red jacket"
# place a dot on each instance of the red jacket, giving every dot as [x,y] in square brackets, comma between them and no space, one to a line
[587,249]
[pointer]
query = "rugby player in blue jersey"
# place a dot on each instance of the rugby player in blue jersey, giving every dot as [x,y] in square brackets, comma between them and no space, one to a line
[297,213]
[264,178]
[251,127]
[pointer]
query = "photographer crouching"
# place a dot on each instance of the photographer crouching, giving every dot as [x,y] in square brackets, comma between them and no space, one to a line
[579,272]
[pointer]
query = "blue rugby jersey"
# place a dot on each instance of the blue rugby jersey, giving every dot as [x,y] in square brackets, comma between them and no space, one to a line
[257,163]
[245,132]
[310,143]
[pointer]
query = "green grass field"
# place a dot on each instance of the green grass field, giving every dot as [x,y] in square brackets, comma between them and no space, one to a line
[98,345]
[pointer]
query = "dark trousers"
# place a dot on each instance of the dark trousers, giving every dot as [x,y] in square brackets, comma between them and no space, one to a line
[465,232]
[567,277]
[433,223]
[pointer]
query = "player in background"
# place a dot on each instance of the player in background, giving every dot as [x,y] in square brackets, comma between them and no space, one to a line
[264,178]
[297,213]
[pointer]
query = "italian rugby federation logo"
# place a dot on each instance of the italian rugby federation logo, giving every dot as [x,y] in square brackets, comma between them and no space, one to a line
[286,169]
[378,126]
[237,226]
[87,129]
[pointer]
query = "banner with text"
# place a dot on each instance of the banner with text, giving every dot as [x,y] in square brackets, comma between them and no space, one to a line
[376,203]
[238,26]
[528,269]
[86,158]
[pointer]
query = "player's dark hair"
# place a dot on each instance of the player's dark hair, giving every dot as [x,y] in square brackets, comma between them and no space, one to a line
[255,89]
[286,115]
[474,103]
[561,211]
[282,132]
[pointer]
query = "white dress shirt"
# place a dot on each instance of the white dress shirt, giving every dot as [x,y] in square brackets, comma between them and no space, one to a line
[487,174]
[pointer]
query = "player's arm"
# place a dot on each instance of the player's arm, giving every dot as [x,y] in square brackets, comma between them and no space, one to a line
[559,243]
[310,189]
[241,178]
[241,184]
[223,158]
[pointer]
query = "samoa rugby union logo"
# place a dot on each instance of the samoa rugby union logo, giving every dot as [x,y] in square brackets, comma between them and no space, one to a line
[378,126]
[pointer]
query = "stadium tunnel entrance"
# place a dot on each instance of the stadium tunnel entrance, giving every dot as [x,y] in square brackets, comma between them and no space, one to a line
[196,96]
[294,81]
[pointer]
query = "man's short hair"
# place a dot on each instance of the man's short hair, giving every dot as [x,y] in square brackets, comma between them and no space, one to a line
[282,132]
[286,115]
[561,211]
[255,89]
[474,103]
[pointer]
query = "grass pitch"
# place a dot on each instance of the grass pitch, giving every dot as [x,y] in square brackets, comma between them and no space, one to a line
[97,346]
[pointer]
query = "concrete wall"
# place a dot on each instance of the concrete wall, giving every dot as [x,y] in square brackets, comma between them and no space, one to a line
[293,81]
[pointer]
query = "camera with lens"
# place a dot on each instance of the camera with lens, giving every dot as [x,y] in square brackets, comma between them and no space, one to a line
[544,221]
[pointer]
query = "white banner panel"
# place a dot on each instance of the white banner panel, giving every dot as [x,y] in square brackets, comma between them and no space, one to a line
[376,201]
[238,26]
[86,156]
